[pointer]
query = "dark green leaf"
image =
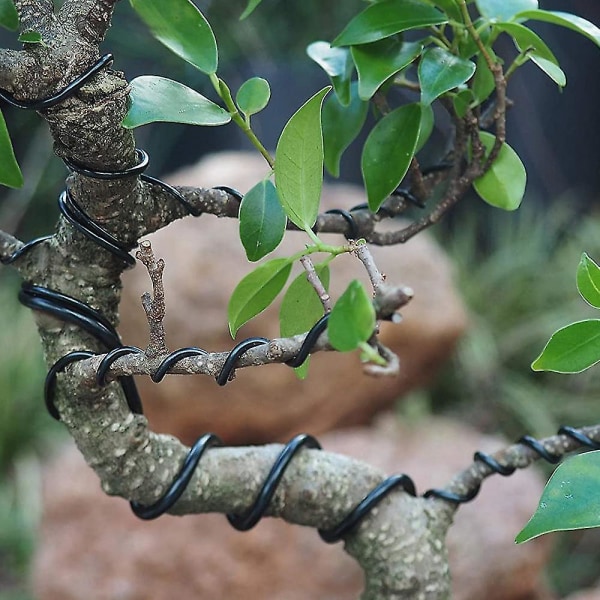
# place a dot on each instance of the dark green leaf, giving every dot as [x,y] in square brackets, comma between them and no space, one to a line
[256,291]
[299,163]
[461,101]
[8,15]
[388,151]
[341,125]
[337,63]
[588,280]
[503,186]
[483,83]
[252,4]
[563,19]
[159,99]
[182,28]
[539,52]
[10,173]
[427,123]
[301,308]
[441,71]
[569,500]
[504,10]
[253,95]
[352,320]
[377,62]
[450,7]
[262,220]
[571,349]
[382,19]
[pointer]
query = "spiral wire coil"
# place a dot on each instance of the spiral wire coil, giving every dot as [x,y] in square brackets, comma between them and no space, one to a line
[75,312]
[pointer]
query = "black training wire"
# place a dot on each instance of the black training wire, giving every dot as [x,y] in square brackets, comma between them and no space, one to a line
[11,258]
[101,63]
[234,355]
[173,358]
[309,342]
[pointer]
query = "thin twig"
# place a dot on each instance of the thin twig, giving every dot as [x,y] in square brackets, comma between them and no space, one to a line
[375,275]
[313,278]
[154,306]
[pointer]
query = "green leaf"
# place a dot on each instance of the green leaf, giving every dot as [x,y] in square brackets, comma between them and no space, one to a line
[256,291]
[569,500]
[503,186]
[450,7]
[571,349]
[539,52]
[378,61]
[440,71]
[182,28]
[299,163]
[301,308]
[588,280]
[8,15]
[262,220]
[252,4]
[31,37]
[426,128]
[462,101]
[253,95]
[504,10]
[578,24]
[155,99]
[388,151]
[382,19]
[352,320]
[337,63]
[10,173]
[483,83]
[341,125]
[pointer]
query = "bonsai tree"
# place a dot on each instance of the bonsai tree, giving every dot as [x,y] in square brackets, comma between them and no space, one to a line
[439,51]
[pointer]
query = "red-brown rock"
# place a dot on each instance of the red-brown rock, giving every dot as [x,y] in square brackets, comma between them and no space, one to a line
[205,261]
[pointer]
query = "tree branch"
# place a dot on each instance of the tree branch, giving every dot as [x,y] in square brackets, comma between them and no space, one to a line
[34,15]
[92,17]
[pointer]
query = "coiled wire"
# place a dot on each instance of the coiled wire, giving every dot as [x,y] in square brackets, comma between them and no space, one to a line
[75,312]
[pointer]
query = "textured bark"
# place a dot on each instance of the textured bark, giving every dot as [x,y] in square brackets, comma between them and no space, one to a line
[400,544]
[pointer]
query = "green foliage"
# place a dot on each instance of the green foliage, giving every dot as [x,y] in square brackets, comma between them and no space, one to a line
[262,220]
[577,24]
[8,15]
[156,99]
[253,96]
[504,10]
[256,291]
[588,280]
[337,63]
[299,163]
[10,173]
[503,185]
[301,308]
[183,29]
[388,152]
[383,19]
[569,500]
[352,320]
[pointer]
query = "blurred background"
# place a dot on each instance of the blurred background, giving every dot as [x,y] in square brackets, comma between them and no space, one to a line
[516,272]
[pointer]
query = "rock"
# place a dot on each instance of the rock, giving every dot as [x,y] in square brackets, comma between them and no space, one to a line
[91,546]
[205,261]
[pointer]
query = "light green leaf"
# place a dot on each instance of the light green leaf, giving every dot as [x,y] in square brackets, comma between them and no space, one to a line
[31,37]
[388,151]
[483,83]
[569,500]
[377,62]
[301,308]
[337,63]
[578,24]
[450,7]
[503,186]
[155,99]
[256,291]
[588,280]
[252,4]
[461,101]
[341,125]
[8,15]
[253,95]
[10,173]
[382,19]
[182,28]
[440,71]
[571,349]
[504,10]
[352,320]
[426,129]
[539,52]
[262,220]
[299,163]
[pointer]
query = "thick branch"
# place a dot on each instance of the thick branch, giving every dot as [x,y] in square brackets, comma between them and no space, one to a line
[92,17]
[34,15]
